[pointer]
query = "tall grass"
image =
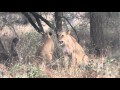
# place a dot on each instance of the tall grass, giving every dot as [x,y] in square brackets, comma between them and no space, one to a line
[29,66]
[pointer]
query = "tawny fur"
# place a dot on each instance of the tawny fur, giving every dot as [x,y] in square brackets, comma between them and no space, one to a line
[70,47]
[46,51]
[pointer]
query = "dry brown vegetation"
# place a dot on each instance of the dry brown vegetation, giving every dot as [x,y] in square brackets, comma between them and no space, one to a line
[28,65]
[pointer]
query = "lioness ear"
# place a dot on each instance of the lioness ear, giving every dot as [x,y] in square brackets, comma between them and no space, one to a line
[68,32]
[50,33]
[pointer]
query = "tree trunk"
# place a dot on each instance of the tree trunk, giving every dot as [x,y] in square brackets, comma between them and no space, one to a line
[96,33]
[58,21]
[104,31]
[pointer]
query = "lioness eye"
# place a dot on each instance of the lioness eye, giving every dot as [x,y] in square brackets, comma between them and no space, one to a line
[62,35]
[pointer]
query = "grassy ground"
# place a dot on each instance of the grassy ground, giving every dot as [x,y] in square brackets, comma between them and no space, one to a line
[28,65]
[95,69]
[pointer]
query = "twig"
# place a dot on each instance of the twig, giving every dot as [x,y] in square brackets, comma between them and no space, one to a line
[71,26]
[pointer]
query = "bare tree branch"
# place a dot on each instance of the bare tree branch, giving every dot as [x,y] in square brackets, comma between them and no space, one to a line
[32,22]
[43,19]
[38,22]
[71,26]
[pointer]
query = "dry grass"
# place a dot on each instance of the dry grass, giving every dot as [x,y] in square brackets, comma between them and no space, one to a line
[95,69]
[28,65]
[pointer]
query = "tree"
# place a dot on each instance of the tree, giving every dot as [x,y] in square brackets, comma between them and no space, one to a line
[104,31]
[38,19]
[58,21]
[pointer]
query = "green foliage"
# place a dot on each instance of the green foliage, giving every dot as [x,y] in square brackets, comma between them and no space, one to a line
[29,43]
[35,72]
[110,61]
[27,71]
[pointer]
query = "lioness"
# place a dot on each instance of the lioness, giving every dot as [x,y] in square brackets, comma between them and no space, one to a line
[70,47]
[46,51]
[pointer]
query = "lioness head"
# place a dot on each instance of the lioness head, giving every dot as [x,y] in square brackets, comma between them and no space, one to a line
[47,35]
[63,37]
